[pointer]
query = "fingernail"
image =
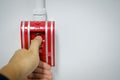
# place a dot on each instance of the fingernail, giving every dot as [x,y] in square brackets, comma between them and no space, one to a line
[38,37]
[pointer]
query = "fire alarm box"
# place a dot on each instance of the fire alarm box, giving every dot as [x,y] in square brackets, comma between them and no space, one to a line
[46,29]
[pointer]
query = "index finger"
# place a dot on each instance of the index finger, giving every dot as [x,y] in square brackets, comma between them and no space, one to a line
[44,65]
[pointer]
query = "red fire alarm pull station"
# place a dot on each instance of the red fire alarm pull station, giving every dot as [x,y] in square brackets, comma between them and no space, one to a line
[40,26]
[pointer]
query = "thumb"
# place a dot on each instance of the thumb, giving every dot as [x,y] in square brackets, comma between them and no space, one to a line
[35,43]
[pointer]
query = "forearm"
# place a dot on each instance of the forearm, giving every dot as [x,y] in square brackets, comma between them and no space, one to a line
[11,72]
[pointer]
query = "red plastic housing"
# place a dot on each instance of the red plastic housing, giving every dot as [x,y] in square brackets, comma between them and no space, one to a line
[30,29]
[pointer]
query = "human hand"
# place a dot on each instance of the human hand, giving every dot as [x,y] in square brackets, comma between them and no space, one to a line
[23,61]
[42,72]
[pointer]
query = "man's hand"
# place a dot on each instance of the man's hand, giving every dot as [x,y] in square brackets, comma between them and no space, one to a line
[23,61]
[42,72]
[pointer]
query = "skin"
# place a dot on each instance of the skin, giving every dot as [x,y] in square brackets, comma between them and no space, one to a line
[42,72]
[25,64]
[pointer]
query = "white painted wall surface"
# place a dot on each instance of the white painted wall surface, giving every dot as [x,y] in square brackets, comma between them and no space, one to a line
[88,36]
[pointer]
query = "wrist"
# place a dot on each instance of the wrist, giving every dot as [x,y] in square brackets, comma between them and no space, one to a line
[11,72]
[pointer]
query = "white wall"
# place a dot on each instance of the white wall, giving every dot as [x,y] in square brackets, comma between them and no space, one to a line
[87,36]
